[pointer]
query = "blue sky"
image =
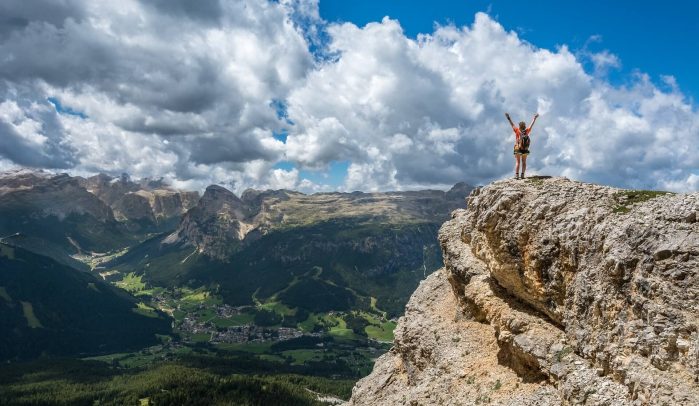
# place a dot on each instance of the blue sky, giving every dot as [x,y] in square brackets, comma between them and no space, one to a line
[655,37]
[277,94]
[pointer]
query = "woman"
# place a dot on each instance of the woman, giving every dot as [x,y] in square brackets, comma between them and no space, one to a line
[521,149]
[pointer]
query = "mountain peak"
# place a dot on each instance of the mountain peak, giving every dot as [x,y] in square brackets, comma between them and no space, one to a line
[459,191]
[216,224]
[215,192]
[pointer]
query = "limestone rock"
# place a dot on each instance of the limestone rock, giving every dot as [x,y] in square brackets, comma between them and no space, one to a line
[218,221]
[146,201]
[585,294]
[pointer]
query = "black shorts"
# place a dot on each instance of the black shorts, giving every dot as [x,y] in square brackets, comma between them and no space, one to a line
[521,151]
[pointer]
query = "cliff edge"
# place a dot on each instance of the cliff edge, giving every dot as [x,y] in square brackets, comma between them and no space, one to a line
[553,292]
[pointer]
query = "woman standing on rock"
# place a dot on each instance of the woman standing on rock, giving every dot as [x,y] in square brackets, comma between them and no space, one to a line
[521,149]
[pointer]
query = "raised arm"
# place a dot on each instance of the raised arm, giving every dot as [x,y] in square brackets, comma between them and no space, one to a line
[510,120]
[533,121]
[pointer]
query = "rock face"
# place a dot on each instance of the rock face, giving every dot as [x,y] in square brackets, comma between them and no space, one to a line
[216,224]
[144,203]
[45,194]
[563,292]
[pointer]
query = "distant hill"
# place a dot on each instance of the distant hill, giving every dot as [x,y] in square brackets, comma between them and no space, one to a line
[47,308]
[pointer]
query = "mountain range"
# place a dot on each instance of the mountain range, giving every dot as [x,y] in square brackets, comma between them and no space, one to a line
[282,254]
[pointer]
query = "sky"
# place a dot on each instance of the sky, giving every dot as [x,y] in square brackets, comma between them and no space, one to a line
[651,36]
[363,95]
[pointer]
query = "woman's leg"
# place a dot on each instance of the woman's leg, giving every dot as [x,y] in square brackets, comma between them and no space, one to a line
[524,164]
[517,156]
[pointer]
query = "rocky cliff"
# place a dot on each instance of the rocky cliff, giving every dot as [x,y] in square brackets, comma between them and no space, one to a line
[553,292]
[216,224]
[144,202]
[46,194]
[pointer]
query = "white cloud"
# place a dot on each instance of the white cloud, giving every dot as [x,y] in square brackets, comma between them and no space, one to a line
[605,60]
[169,87]
[188,91]
[27,129]
[430,111]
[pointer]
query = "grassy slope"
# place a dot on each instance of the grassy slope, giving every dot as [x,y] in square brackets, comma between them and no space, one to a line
[53,309]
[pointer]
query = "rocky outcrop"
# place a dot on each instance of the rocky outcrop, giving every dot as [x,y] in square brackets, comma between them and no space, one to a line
[567,293]
[107,188]
[218,222]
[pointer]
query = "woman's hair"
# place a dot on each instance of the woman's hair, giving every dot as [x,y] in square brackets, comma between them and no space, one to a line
[522,125]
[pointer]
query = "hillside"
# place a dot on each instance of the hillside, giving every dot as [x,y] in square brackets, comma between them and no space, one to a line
[553,292]
[50,309]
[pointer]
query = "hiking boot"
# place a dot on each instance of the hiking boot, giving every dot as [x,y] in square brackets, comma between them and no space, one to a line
[522,176]
[516,176]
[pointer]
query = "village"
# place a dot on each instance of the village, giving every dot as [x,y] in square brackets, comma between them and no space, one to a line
[238,334]
[223,323]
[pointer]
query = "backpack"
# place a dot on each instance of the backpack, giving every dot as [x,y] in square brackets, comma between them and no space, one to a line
[524,141]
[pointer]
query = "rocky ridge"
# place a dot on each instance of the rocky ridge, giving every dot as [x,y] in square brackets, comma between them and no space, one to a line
[221,220]
[146,201]
[49,195]
[553,292]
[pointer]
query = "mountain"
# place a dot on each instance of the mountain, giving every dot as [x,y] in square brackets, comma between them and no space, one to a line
[54,215]
[216,224]
[49,309]
[221,221]
[144,206]
[553,292]
[77,220]
[267,282]
[319,252]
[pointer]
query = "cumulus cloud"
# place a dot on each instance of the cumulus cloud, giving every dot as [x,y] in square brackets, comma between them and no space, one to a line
[164,87]
[429,111]
[31,135]
[198,92]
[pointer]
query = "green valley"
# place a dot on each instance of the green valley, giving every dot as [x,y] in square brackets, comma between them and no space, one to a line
[273,295]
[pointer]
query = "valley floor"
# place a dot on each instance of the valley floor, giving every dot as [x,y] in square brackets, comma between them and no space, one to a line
[232,351]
